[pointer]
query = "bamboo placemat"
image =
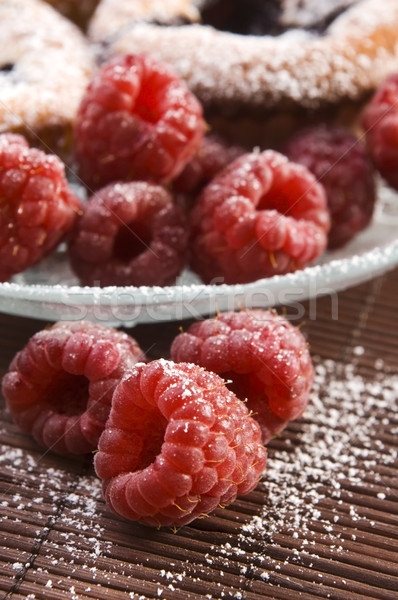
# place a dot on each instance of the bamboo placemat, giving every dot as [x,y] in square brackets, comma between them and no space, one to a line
[323,523]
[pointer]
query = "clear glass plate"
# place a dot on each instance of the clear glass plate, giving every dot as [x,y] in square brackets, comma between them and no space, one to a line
[51,292]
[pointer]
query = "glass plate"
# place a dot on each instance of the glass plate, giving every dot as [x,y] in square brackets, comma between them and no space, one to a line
[51,292]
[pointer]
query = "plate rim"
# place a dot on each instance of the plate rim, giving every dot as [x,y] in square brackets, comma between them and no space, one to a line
[313,281]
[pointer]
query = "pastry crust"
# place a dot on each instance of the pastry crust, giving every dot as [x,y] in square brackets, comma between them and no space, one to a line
[45,65]
[229,71]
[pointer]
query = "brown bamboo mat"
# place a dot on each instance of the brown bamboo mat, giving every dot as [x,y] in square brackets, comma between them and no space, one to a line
[323,523]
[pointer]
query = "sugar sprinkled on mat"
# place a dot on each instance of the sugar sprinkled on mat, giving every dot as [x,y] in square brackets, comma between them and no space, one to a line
[319,468]
[304,510]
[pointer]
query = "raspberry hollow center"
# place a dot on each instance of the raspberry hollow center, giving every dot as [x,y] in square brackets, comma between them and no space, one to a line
[245,385]
[131,241]
[281,202]
[154,428]
[67,394]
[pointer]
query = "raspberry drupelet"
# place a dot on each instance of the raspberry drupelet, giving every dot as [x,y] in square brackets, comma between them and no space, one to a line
[262,355]
[59,386]
[341,163]
[213,155]
[137,121]
[261,216]
[37,207]
[129,234]
[379,120]
[177,445]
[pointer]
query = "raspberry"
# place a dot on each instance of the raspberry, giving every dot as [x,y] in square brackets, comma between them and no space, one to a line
[59,386]
[129,234]
[177,444]
[264,357]
[214,154]
[340,162]
[36,206]
[261,216]
[379,119]
[137,120]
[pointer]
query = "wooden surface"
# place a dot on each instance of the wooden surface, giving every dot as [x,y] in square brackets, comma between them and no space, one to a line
[323,522]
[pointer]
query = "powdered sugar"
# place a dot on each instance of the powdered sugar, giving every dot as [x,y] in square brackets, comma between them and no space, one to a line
[333,462]
[323,490]
[262,71]
[37,92]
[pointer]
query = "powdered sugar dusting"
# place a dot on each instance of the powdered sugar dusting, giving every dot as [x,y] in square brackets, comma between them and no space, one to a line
[261,71]
[319,479]
[38,92]
[328,489]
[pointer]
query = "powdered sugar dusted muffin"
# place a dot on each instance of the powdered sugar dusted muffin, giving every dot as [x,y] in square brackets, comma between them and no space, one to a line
[45,64]
[270,56]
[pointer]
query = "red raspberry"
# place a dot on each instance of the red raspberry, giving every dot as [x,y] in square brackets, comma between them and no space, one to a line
[340,162]
[213,156]
[177,444]
[137,120]
[379,119]
[264,356]
[262,216]
[37,207]
[129,234]
[59,387]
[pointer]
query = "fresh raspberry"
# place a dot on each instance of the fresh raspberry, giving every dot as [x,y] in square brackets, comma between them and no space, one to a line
[36,206]
[59,386]
[261,216]
[264,357]
[137,120]
[379,120]
[177,444]
[340,162]
[129,234]
[213,156]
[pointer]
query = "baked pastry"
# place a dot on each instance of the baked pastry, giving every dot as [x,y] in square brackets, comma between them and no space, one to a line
[45,65]
[299,59]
